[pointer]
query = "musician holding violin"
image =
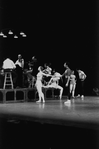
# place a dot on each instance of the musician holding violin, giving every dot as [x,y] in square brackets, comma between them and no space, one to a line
[19,70]
[20,61]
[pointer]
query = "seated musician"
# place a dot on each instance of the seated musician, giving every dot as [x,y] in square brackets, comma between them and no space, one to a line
[8,65]
[54,83]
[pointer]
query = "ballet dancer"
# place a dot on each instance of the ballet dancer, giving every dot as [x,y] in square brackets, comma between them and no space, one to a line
[39,84]
[54,83]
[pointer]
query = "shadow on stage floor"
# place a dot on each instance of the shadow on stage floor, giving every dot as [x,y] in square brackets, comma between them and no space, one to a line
[24,125]
[35,135]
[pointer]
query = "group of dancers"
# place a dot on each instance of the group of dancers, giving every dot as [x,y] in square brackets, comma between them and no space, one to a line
[52,83]
[70,79]
[48,78]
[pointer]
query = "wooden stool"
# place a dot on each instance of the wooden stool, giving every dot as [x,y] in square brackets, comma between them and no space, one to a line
[8,83]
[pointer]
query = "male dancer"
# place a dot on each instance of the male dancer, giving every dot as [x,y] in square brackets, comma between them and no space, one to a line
[67,74]
[68,71]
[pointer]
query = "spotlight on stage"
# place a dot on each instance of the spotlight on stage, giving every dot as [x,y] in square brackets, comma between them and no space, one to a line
[10,32]
[4,36]
[15,36]
[21,33]
[24,35]
[1,34]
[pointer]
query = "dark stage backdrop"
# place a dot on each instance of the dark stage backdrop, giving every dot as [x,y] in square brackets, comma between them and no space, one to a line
[56,32]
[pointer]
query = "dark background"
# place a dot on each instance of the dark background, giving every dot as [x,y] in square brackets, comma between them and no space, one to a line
[56,33]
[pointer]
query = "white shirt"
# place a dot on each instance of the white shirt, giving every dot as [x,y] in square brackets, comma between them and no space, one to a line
[82,75]
[8,64]
[21,64]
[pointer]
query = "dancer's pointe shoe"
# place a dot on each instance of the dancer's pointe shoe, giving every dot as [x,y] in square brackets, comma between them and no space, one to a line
[43,101]
[38,101]
[82,97]
[67,102]
[78,95]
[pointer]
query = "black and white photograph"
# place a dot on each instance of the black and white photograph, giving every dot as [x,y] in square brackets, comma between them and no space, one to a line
[49,74]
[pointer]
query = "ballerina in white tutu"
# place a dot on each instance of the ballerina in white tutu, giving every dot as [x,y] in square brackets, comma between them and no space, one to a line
[54,83]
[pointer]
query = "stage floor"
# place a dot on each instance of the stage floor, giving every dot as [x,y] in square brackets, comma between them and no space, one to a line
[80,113]
[50,125]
